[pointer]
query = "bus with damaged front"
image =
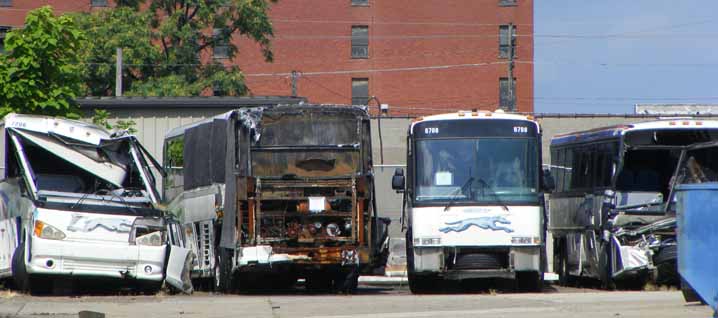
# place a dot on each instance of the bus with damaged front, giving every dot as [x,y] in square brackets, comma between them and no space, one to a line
[612,215]
[80,205]
[473,204]
[269,195]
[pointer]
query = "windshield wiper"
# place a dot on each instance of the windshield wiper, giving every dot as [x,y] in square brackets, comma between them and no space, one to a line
[112,195]
[457,192]
[486,186]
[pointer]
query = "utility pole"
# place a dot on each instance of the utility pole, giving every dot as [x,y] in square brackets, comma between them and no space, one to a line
[118,73]
[512,94]
[294,76]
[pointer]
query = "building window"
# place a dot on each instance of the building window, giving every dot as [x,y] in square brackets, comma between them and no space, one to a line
[361,3]
[506,42]
[360,42]
[507,3]
[3,31]
[220,49]
[5,3]
[507,94]
[98,3]
[360,91]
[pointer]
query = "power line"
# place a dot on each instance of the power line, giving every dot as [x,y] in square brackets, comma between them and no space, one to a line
[326,88]
[399,69]
[369,22]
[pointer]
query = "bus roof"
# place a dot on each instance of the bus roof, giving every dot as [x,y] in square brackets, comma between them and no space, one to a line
[617,131]
[73,129]
[480,114]
[359,110]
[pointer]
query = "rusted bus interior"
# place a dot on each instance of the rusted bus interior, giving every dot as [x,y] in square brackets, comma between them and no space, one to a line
[277,213]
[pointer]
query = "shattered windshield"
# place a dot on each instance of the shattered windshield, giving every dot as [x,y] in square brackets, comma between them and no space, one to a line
[317,128]
[308,143]
[82,170]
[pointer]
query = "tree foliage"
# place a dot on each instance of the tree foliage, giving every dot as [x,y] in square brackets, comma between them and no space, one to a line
[107,30]
[101,118]
[40,72]
[168,47]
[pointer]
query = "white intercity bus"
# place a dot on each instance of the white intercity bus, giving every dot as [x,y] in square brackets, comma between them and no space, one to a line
[473,199]
[79,203]
[612,214]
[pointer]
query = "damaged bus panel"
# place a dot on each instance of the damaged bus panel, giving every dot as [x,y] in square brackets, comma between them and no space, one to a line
[79,203]
[612,215]
[270,195]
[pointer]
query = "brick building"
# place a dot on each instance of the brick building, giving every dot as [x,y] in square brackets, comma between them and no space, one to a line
[419,57]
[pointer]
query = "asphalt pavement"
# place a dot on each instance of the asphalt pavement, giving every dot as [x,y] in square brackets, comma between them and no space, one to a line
[369,301]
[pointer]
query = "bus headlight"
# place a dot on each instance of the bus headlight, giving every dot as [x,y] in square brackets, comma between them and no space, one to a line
[151,239]
[427,241]
[46,231]
[525,240]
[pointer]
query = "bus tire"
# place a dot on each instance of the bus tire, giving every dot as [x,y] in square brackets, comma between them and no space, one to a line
[604,268]
[564,275]
[20,276]
[423,284]
[347,282]
[224,281]
[529,281]
[319,282]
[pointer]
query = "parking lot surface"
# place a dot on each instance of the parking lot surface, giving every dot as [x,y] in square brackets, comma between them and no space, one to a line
[383,301]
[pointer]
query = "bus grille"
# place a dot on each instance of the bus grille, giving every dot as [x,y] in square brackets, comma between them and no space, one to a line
[481,261]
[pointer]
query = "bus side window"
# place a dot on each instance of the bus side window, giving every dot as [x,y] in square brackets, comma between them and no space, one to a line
[173,164]
[570,165]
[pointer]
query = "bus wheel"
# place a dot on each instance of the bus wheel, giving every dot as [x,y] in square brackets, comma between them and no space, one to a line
[318,283]
[423,284]
[19,272]
[223,278]
[605,270]
[564,276]
[529,281]
[346,282]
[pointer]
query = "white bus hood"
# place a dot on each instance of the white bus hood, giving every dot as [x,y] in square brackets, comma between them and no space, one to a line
[476,226]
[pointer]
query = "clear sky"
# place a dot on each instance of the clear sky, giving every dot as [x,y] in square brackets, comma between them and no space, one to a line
[606,56]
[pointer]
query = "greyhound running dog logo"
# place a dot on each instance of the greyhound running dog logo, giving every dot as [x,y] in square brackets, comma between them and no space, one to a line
[486,223]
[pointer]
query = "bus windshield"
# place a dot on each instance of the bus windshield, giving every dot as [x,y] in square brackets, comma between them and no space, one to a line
[477,170]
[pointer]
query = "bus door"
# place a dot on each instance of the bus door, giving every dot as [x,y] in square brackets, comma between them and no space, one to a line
[180,260]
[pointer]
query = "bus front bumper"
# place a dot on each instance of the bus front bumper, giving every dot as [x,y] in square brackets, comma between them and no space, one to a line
[480,263]
[111,259]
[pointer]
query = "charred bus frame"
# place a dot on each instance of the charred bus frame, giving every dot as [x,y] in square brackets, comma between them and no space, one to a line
[279,193]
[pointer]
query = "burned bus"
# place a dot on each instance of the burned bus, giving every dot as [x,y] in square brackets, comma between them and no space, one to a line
[268,195]
[612,215]
[473,199]
[80,204]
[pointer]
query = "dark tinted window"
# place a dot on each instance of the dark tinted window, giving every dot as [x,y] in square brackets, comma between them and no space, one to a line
[360,41]
[360,91]
[507,93]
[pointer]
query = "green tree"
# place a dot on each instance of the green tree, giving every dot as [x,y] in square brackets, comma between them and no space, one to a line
[40,72]
[166,59]
[101,116]
[109,29]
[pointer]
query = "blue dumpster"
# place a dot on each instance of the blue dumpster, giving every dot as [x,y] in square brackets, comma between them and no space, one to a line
[697,213]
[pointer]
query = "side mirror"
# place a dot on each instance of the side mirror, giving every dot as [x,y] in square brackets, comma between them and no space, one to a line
[397,181]
[548,183]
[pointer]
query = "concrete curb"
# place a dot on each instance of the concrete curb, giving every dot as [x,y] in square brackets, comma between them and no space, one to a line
[396,279]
